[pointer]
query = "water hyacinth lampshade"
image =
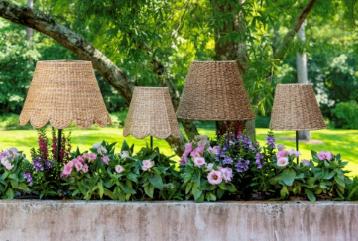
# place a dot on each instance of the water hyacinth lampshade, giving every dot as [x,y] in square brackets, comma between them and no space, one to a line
[151,113]
[214,90]
[295,108]
[64,92]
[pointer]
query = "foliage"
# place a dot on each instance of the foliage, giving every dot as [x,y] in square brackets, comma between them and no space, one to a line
[12,180]
[353,190]
[346,115]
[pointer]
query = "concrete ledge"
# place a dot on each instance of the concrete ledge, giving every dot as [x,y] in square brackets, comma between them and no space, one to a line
[107,220]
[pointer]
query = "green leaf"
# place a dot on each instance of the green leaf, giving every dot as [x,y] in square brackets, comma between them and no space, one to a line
[288,177]
[339,181]
[210,197]
[284,192]
[132,177]
[196,193]
[149,190]
[156,181]
[100,189]
[310,195]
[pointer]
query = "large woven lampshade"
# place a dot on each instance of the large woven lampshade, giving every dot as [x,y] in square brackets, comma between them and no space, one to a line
[214,90]
[151,113]
[295,108]
[62,92]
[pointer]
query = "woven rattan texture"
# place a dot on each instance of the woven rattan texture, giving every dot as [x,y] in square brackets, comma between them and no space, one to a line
[151,113]
[214,90]
[64,92]
[295,108]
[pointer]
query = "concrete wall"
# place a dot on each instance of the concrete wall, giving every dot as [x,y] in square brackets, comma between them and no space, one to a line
[267,221]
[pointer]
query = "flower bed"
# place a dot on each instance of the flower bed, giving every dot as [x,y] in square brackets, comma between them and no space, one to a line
[233,168]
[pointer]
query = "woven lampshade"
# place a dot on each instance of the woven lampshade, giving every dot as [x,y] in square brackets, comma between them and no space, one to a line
[151,113]
[295,108]
[62,92]
[214,90]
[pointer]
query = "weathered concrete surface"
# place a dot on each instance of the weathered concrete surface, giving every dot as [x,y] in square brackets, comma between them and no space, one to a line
[166,221]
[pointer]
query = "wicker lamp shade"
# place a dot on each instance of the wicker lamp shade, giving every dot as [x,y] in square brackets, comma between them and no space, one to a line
[214,90]
[295,108]
[63,92]
[151,113]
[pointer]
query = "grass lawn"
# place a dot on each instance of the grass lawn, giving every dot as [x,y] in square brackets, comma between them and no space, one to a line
[337,141]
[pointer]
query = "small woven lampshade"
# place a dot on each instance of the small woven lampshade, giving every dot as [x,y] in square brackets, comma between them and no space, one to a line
[151,113]
[214,90]
[63,92]
[295,108]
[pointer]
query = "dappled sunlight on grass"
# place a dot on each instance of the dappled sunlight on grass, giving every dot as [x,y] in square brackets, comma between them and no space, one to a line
[336,141]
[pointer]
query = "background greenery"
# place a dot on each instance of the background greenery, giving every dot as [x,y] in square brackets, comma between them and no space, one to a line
[155,41]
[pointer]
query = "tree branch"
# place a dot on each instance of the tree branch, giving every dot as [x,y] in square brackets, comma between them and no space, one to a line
[70,40]
[282,50]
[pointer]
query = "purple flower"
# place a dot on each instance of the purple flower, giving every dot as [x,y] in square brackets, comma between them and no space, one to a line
[258,159]
[270,140]
[28,177]
[38,165]
[226,173]
[306,163]
[48,164]
[242,165]
[227,160]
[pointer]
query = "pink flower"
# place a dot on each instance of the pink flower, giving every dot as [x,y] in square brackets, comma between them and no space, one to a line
[77,163]
[119,169]
[67,169]
[184,160]
[294,153]
[325,155]
[226,173]
[282,161]
[198,151]
[282,153]
[105,159]
[187,149]
[147,164]
[90,156]
[85,168]
[199,161]
[214,150]
[215,177]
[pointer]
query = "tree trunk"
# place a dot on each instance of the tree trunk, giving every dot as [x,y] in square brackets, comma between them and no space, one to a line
[302,74]
[29,31]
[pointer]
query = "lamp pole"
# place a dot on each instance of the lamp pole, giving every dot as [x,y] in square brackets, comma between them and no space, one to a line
[59,143]
[297,144]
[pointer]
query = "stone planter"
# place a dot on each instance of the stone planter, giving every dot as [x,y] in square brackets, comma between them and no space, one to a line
[28,220]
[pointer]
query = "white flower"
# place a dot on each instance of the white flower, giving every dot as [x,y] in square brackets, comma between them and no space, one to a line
[282,161]
[124,154]
[100,149]
[147,164]
[5,162]
[119,169]
[210,166]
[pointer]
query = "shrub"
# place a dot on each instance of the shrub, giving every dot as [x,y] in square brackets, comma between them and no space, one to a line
[346,115]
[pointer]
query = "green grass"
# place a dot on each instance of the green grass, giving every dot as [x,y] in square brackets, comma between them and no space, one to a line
[336,141]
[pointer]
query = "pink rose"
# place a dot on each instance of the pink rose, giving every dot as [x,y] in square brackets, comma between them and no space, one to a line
[199,161]
[77,163]
[119,169]
[215,177]
[147,165]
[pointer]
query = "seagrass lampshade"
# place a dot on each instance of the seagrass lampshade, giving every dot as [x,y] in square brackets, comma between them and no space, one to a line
[214,90]
[295,108]
[151,113]
[64,92]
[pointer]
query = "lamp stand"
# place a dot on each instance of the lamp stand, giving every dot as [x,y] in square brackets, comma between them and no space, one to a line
[59,143]
[151,142]
[297,144]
